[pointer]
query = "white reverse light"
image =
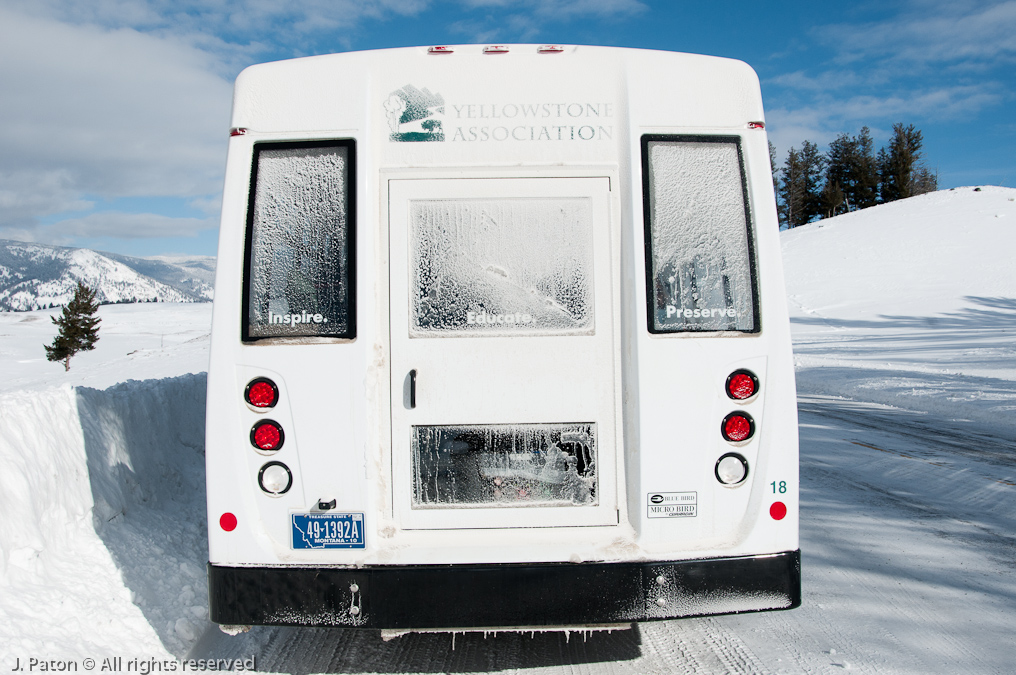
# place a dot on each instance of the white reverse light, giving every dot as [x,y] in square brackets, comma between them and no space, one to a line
[275,478]
[731,469]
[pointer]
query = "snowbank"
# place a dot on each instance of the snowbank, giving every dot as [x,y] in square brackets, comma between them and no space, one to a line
[911,304]
[103,539]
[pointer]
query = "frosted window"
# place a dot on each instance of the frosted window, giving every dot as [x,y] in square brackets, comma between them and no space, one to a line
[504,465]
[698,249]
[501,267]
[300,281]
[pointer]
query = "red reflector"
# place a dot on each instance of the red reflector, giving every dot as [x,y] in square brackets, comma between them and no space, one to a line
[495,49]
[267,435]
[738,427]
[550,49]
[261,393]
[741,385]
[227,522]
[238,131]
[778,510]
[756,125]
[440,50]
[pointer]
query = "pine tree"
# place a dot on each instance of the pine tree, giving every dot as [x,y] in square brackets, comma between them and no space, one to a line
[789,194]
[864,191]
[851,174]
[901,170]
[79,327]
[799,192]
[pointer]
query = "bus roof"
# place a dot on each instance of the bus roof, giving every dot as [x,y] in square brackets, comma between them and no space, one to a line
[579,102]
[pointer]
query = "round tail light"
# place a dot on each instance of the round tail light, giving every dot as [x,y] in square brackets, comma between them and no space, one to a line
[261,393]
[275,478]
[737,426]
[742,385]
[267,435]
[731,469]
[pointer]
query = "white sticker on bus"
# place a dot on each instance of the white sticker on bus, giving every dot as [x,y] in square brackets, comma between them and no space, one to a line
[672,504]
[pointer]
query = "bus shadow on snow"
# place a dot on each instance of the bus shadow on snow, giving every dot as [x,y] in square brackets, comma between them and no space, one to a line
[144,448]
[302,651]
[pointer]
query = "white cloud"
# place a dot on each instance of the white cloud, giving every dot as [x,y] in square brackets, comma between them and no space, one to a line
[932,61]
[527,19]
[113,112]
[563,9]
[241,21]
[932,33]
[825,117]
[26,193]
[122,226]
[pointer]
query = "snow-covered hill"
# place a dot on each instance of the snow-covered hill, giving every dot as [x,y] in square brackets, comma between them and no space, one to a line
[35,276]
[911,304]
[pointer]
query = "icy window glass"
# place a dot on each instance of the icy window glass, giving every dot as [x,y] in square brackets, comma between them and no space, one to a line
[501,267]
[699,251]
[300,254]
[504,465]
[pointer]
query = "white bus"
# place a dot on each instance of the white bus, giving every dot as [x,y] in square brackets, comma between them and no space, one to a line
[499,340]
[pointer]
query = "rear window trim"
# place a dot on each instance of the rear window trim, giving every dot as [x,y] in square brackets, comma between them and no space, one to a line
[648,237]
[351,221]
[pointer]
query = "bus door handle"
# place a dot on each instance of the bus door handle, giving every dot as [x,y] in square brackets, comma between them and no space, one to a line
[410,389]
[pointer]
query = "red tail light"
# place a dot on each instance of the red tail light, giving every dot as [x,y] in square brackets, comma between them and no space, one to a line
[227,521]
[267,435]
[737,427]
[742,385]
[261,393]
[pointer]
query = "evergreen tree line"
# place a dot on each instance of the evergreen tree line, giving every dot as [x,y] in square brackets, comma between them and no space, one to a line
[849,175]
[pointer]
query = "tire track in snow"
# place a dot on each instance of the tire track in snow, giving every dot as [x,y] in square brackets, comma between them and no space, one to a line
[902,536]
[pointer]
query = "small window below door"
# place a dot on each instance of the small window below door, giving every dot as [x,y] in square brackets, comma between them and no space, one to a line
[498,267]
[504,465]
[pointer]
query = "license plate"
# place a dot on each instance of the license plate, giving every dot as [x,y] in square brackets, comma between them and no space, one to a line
[327,530]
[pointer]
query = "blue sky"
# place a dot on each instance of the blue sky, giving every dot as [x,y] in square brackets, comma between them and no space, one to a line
[113,113]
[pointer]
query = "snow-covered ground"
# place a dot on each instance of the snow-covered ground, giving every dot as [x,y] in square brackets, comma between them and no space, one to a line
[911,304]
[904,320]
[102,535]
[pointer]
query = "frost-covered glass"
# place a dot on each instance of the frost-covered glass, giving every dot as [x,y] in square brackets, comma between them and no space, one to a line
[501,266]
[504,465]
[699,245]
[300,280]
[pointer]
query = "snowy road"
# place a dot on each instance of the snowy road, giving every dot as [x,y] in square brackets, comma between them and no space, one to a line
[908,560]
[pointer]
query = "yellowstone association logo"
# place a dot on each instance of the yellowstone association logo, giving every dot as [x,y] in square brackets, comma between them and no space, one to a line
[412,115]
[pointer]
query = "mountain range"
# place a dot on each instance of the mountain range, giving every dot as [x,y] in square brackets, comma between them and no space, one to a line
[36,276]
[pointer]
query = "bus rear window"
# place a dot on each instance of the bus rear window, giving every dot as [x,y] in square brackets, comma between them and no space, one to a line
[502,267]
[298,279]
[699,256]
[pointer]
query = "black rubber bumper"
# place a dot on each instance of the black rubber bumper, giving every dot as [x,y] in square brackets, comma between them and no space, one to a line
[477,596]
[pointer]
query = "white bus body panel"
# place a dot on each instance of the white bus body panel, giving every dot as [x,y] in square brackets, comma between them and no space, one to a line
[525,119]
